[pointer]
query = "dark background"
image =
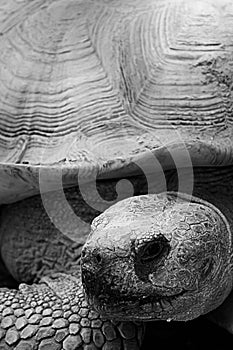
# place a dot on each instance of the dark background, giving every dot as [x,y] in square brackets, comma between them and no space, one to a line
[199,334]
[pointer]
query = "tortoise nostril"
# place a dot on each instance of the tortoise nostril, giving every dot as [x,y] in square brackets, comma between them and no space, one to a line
[91,256]
[98,258]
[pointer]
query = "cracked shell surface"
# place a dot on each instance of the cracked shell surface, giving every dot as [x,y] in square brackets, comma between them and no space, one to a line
[76,74]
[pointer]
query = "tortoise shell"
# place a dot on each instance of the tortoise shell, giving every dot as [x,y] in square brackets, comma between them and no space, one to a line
[92,88]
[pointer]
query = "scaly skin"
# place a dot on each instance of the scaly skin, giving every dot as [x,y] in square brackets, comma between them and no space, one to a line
[166,256]
[32,248]
[52,313]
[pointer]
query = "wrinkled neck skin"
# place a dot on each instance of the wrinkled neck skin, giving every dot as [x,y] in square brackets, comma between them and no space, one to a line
[215,185]
[212,184]
[189,275]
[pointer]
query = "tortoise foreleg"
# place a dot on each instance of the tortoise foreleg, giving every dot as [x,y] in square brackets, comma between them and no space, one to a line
[54,315]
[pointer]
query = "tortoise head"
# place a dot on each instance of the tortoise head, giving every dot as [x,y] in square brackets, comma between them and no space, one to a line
[165,256]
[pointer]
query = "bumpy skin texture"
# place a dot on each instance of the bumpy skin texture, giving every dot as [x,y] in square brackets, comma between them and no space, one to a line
[93,84]
[52,314]
[32,246]
[165,256]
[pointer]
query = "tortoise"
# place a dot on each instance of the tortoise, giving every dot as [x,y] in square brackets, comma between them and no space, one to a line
[122,106]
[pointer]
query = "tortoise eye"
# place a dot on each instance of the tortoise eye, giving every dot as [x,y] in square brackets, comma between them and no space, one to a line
[152,251]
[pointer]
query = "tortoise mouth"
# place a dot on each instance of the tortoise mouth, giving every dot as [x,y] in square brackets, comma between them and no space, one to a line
[141,308]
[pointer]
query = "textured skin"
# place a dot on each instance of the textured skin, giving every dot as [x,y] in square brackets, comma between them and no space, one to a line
[87,87]
[54,315]
[39,249]
[193,273]
[32,246]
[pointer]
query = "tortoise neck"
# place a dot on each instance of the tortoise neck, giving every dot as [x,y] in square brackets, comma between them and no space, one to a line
[213,184]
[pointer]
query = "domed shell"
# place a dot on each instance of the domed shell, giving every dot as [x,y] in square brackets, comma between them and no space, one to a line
[92,88]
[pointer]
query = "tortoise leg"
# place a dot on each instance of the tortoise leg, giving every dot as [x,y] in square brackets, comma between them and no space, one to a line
[54,315]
